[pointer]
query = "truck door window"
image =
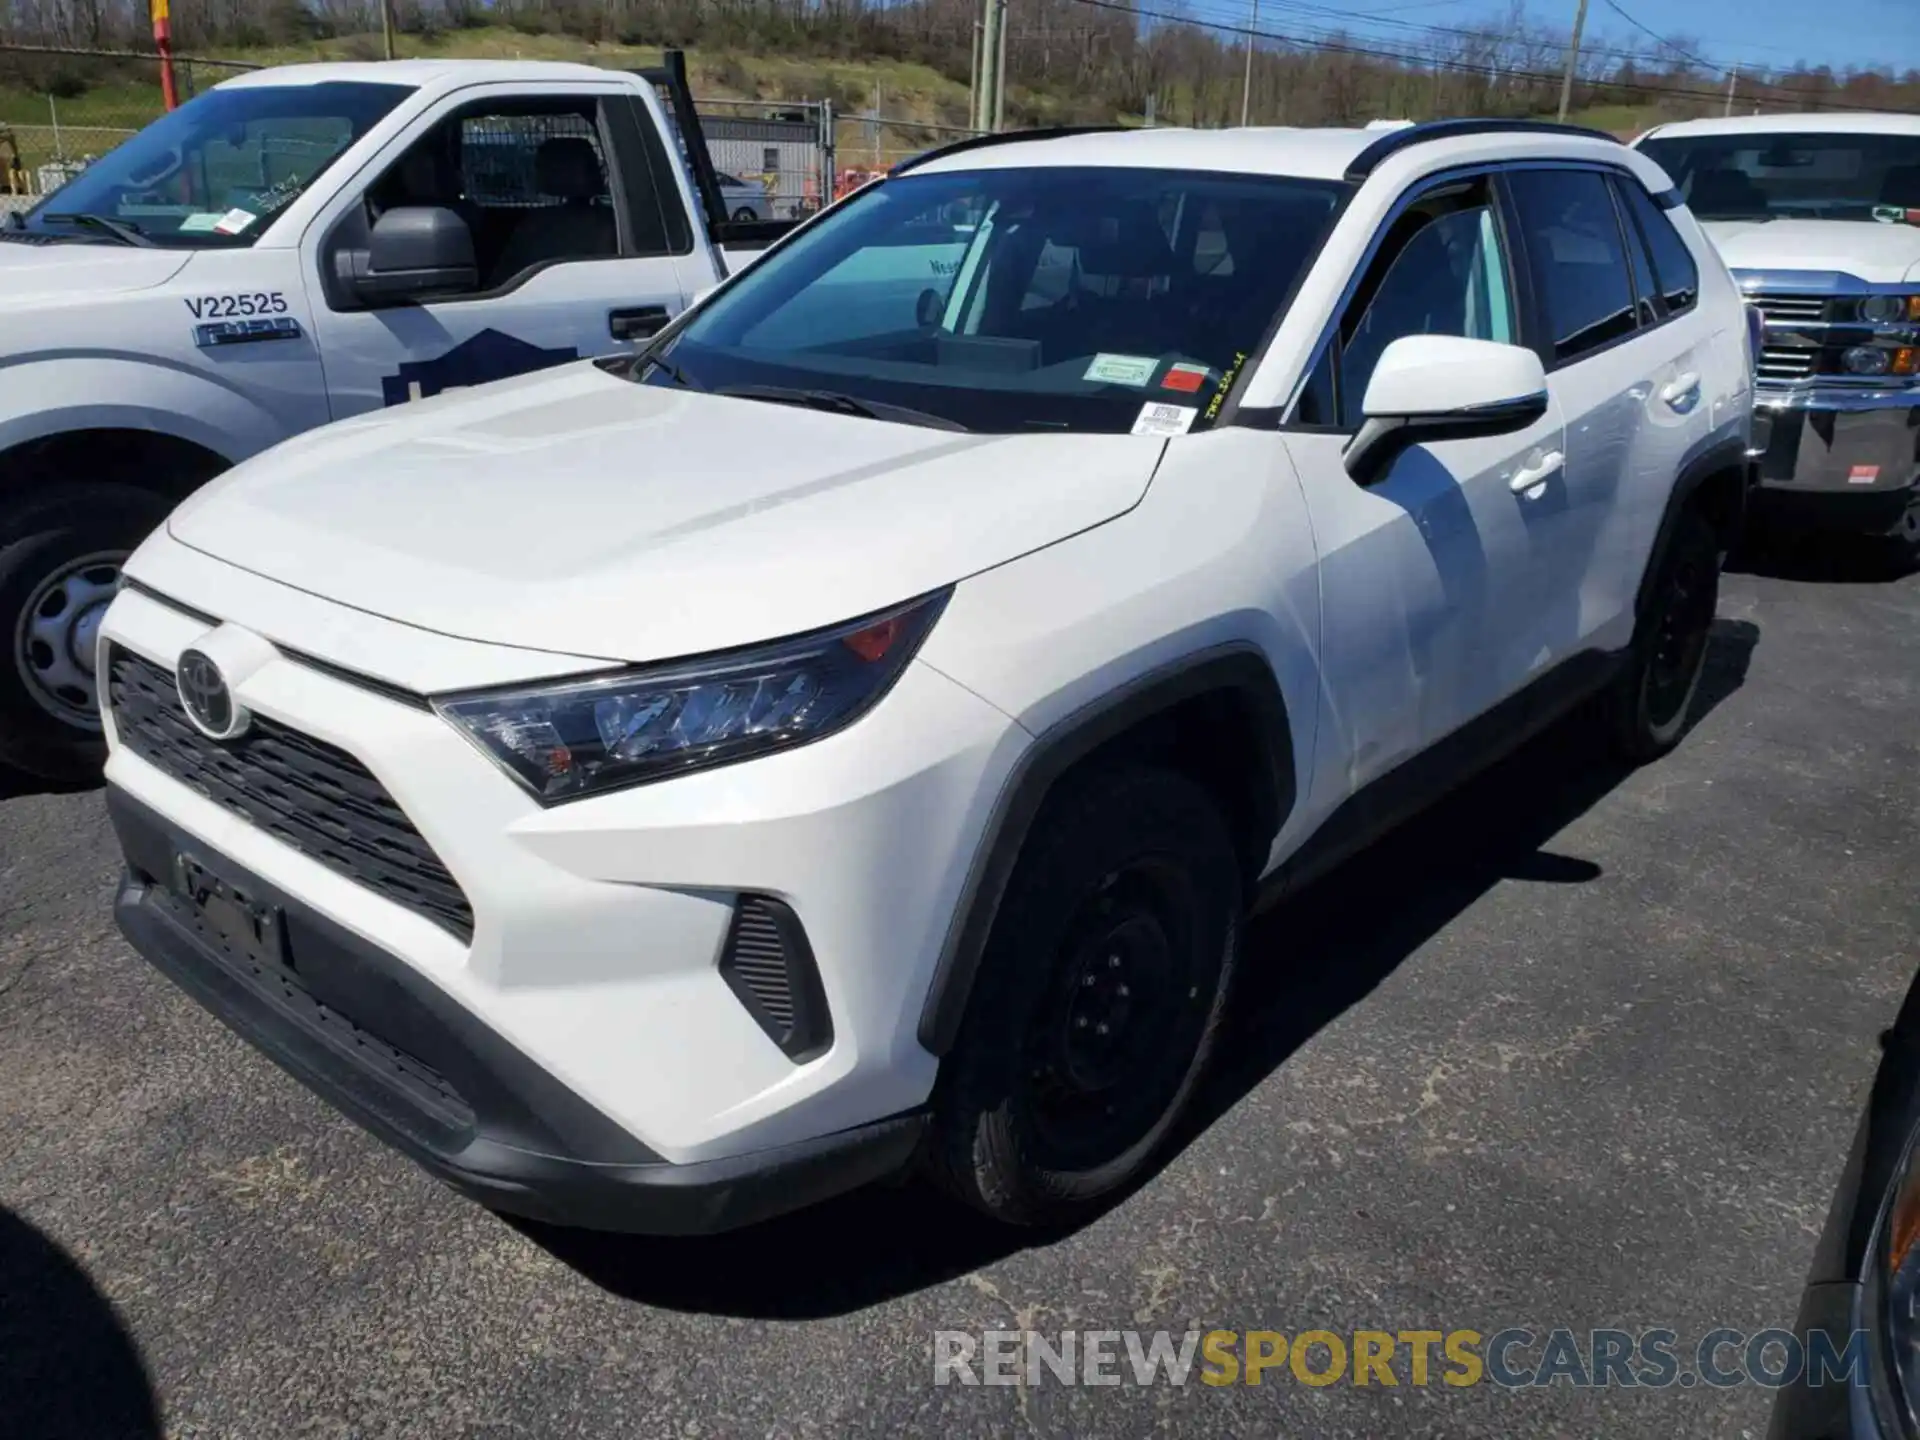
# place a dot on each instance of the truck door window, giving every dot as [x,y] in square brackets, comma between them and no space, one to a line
[1578,257]
[1442,271]
[539,180]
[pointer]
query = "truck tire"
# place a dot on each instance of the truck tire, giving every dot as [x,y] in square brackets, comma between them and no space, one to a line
[61,549]
[1905,534]
[1653,698]
[1098,1002]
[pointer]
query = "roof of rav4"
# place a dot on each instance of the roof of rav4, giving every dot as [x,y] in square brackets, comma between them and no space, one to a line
[1319,154]
[1825,122]
[421,74]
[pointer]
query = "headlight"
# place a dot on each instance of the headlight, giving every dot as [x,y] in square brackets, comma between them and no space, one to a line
[1866,360]
[1890,309]
[576,738]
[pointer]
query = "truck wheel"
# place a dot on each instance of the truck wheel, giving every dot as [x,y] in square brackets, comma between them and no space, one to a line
[1098,1001]
[1652,698]
[746,212]
[1906,530]
[60,555]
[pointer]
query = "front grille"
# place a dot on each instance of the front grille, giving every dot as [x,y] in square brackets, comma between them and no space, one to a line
[307,793]
[421,1100]
[1782,363]
[1791,309]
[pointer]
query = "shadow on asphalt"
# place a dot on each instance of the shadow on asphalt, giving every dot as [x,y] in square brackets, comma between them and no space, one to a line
[1825,558]
[68,1368]
[1307,962]
[17,784]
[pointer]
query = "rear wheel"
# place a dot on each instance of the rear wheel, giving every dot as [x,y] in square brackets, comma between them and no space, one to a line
[746,212]
[1653,697]
[1906,530]
[61,550]
[1098,1001]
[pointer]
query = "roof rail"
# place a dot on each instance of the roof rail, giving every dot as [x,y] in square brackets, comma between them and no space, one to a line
[1003,137]
[1394,141]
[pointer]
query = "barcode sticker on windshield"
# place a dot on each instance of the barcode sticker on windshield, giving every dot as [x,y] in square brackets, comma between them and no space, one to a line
[1164,419]
[199,224]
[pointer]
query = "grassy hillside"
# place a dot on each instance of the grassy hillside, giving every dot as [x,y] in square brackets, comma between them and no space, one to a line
[120,100]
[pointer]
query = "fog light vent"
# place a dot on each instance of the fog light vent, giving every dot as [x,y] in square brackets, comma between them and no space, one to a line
[768,964]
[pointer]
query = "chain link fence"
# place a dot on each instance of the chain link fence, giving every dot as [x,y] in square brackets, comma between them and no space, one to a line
[62,109]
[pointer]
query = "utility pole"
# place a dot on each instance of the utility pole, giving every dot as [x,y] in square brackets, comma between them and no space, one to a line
[1573,57]
[986,107]
[386,25]
[1246,82]
[1000,66]
[1733,78]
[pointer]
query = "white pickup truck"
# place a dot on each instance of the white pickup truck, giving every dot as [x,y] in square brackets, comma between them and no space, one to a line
[1818,217]
[297,246]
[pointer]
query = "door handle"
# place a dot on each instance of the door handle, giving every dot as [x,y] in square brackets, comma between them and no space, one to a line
[1683,394]
[643,322]
[1536,472]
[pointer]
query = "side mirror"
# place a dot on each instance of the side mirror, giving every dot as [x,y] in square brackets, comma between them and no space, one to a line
[415,252]
[1442,387]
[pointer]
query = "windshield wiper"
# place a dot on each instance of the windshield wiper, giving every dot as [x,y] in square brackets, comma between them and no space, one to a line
[121,230]
[835,403]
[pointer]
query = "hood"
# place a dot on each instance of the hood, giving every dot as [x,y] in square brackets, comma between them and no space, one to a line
[38,272]
[1864,249]
[573,511]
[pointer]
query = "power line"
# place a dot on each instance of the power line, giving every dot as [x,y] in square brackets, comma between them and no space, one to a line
[1661,39]
[1446,63]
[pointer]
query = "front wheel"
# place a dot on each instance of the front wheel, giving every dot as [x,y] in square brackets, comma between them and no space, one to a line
[1653,697]
[61,549]
[1098,1001]
[1905,533]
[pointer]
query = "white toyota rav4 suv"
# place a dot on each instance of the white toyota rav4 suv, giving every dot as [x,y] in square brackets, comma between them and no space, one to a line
[658,793]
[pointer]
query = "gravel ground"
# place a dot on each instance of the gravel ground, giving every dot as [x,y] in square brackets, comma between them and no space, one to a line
[1579,1048]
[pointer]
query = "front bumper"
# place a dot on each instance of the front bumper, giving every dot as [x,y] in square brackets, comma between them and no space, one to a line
[1838,457]
[368,1034]
[600,929]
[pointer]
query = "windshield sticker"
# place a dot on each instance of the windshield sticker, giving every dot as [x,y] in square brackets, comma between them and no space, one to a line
[1121,369]
[199,224]
[1164,419]
[1226,384]
[234,222]
[1188,378]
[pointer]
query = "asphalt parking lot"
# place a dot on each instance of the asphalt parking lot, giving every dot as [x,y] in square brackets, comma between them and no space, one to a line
[1580,1048]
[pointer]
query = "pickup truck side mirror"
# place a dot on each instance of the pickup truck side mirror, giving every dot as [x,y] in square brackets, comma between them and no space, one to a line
[414,252]
[1443,387]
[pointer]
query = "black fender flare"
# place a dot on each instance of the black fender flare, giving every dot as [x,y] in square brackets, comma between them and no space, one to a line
[1236,669]
[1714,458]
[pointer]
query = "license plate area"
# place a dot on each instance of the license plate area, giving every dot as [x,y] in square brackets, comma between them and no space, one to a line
[243,923]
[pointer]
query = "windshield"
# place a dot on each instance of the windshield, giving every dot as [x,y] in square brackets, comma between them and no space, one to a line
[1017,299]
[1801,177]
[214,172]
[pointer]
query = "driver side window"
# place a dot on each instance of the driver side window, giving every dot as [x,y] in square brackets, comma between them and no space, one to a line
[1442,270]
[1448,277]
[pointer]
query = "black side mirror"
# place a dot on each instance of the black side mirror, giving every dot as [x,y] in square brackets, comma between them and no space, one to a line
[929,308]
[414,253]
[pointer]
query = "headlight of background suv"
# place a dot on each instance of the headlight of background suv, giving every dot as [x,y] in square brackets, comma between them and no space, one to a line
[565,740]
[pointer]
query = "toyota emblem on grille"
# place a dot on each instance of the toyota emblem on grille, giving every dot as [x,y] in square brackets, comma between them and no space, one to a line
[207,700]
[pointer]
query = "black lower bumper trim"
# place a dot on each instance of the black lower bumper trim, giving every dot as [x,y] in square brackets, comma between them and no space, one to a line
[457,1098]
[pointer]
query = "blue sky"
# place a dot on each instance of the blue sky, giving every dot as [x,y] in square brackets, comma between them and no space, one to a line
[1754,32]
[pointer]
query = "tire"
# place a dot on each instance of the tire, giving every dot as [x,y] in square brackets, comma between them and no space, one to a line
[1038,1119]
[1905,534]
[61,548]
[1653,698]
[746,212]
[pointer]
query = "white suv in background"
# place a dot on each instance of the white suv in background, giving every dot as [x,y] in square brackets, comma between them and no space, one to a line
[643,835]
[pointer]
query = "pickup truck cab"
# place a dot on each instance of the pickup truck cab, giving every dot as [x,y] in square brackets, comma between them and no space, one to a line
[297,246]
[1818,216]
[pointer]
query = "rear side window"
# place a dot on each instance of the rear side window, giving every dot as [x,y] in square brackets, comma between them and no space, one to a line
[1578,257]
[1674,271]
[1646,306]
